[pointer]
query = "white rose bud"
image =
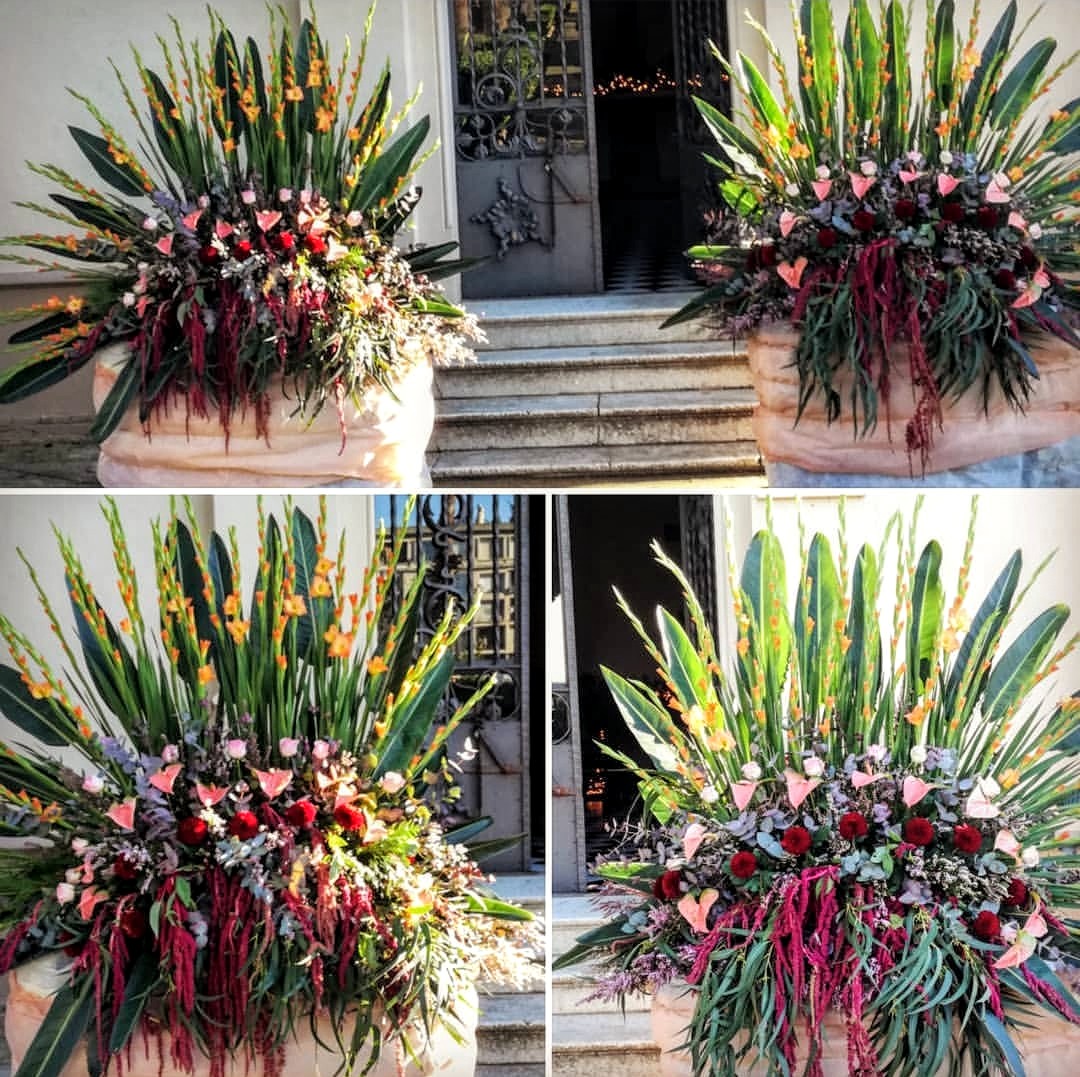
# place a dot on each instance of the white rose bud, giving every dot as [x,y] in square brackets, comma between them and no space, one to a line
[751,772]
[868,168]
[93,784]
[947,158]
[876,752]
[710,795]
[823,172]
[391,782]
[813,767]
[150,224]
[129,299]
[170,753]
[1029,857]
[793,190]
[918,754]
[65,892]
[79,846]
[1035,231]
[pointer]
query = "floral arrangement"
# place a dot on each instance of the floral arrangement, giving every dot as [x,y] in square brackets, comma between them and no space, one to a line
[260,242]
[892,833]
[886,225]
[255,841]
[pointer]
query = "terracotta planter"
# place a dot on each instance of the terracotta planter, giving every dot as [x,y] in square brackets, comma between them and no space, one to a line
[385,441]
[969,437]
[1046,1044]
[32,985]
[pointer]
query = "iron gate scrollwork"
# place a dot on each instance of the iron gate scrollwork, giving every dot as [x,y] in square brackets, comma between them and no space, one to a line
[520,78]
[470,543]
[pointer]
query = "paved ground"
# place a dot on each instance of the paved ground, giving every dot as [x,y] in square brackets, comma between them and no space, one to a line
[47,452]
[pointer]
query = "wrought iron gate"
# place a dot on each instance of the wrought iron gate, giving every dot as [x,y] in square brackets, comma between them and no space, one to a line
[523,142]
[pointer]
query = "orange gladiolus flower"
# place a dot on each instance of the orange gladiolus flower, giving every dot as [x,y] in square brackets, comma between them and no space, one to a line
[206,674]
[377,666]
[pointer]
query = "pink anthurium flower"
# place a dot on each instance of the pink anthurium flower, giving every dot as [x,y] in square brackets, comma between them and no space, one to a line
[692,838]
[910,177]
[1041,279]
[788,220]
[946,184]
[267,218]
[979,803]
[335,251]
[123,815]
[274,782]
[1030,297]
[1026,941]
[223,229]
[742,793]
[860,779]
[1007,842]
[209,795]
[798,787]
[192,219]
[914,789]
[822,188]
[696,910]
[996,194]
[165,244]
[165,778]
[861,184]
[792,274]
[1017,221]
[91,897]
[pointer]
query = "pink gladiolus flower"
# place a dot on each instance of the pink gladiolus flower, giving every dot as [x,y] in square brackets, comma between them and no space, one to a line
[123,815]
[274,782]
[696,910]
[354,218]
[209,795]
[93,784]
[165,778]
[285,194]
[305,196]
[798,787]
[165,245]
[320,750]
[91,897]
[692,838]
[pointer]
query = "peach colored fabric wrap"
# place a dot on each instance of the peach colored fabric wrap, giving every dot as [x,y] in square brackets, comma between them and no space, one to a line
[385,441]
[969,436]
[32,986]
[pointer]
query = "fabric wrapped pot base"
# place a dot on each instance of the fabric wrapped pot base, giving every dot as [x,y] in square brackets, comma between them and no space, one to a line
[385,441]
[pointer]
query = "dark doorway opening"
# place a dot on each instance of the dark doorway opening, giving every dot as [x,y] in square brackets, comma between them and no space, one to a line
[636,98]
[609,543]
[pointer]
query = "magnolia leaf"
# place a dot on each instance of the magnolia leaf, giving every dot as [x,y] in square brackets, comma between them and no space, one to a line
[35,375]
[1018,88]
[927,605]
[651,726]
[1011,676]
[116,403]
[96,150]
[139,986]
[35,717]
[383,177]
[60,1032]
[684,664]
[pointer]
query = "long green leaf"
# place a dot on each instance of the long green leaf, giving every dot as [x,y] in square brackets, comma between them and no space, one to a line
[140,983]
[764,585]
[817,609]
[897,89]
[683,662]
[59,1034]
[945,53]
[305,543]
[1018,88]
[116,403]
[1011,675]
[993,59]
[38,330]
[35,375]
[651,727]
[96,151]
[35,717]
[927,605]
[763,101]
[390,168]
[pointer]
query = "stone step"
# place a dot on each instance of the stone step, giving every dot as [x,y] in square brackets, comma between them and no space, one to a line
[569,990]
[571,915]
[665,366]
[572,321]
[512,1030]
[606,419]
[585,1045]
[684,465]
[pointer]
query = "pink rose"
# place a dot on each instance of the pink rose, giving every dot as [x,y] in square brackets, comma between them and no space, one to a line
[170,753]
[320,750]
[392,782]
[236,749]
[288,747]
[93,784]
[65,893]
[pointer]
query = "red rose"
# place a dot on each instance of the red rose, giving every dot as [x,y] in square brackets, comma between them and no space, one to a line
[285,241]
[953,212]
[1005,279]
[667,886]
[133,922]
[301,814]
[864,221]
[209,254]
[1029,258]
[918,831]
[350,818]
[988,218]
[768,255]
[743,865]
[191,831]
[905,209]
[753,261]
[967,839]
[853,826]
[1018,893]
[244,825]
[242,249]
[796,840]
[986,926]
[124,869]
[315,244]
[827,238]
